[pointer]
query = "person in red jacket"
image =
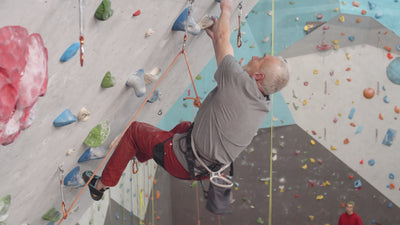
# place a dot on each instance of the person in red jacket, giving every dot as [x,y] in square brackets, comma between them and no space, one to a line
[350,217]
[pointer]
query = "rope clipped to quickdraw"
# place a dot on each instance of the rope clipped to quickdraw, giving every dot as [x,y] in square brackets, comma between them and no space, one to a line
[61,170]
[81,26]
[239,36]
[135,167]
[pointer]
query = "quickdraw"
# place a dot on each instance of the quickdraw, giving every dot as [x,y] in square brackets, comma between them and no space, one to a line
[239,36]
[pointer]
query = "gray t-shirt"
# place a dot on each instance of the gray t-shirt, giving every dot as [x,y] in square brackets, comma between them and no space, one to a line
[228,118]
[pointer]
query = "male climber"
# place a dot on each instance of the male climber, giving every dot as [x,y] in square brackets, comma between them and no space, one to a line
[224,126]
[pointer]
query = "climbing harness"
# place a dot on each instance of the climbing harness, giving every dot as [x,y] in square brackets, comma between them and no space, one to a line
[196,103]
[61,171]
[81,27]
[239,36]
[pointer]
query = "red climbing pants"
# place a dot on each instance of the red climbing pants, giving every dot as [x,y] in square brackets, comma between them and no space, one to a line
[139,140]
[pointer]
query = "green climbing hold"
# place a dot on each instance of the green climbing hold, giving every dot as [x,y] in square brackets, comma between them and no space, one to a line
[98,135]
[108,80]
[5,203]
[104,10]
[260,220]
[252,46]
[52,215]
[198,77]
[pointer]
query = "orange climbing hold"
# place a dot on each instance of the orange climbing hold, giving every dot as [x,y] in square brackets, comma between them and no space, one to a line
[358,20]
[389,56]
[369,93]
[352,124]
[397,109]
[356,4]
[380,116]
[346,141]
[348,69]
[387,48]
[362,161]
[158,194]
[342,205]
[391,186]
[363,12]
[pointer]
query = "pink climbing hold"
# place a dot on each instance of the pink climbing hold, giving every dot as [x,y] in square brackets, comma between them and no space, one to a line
[23,79]
[356,4]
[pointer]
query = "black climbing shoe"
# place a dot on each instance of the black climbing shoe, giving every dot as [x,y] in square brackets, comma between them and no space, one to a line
[94,193]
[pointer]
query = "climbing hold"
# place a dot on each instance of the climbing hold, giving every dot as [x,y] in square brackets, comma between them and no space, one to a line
[359,129]
[358,20]
[337,82]
[104,11]
[388,139]
[319,197]
[356,4]
[362,161]
[292,3]
[357,184]
[64,119]
[315,72]
[369,93]
[311,218]
[352,124]
[363,12]
[335,41]
[335,120]
[305,102]
[336,47]
[378,15]
[182,20]
[205,22]
[73,179]
[136,81]
[351,38]
[148,33]
[391,176]
[390,205]
[324,47]
[52,215]
[385,99]
[325,27]
[108,80]
[391,186]
[158,194]
[351,177]
[393,71]
[137,13]
[371,162]
[312,142]
[92,154]
[304,167]
[152,76]
[312,160]
[266,39]
[387,48]
[371,5]
[336,10]
[98,135]
[252,46]
[396,109]
[70,52]
[260,220]
[398,47]
[389,55]
[198,77]
[319,16]
[346,141]
[351,114]
[313,132]
[342,205]
[348,56]
[333,147]
[380,116]
[154,97]
[83,114]
[341,19]
[348,69]
[5,204]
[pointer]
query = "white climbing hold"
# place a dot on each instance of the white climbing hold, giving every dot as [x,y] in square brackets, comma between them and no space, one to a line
[152,76]
[136,81]
[149,32]
[83,114]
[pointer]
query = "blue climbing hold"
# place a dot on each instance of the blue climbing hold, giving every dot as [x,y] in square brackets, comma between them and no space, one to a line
[64,119]
[154,97]
[390,205]
[357,184]
[70,52]
[371,5]
[388,139]
[73,179]
[351,114]
[92,153]
[398,47]
[180,23]
[373,221]
[371,162]
[351,38]
[393,71]
[385,99]
[378,15]
[359,129]
[391,176]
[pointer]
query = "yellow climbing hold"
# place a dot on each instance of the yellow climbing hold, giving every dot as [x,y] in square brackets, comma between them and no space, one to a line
[319,197]
[337,82]
[236,188]
[308,27]
[343,3]
[341,19]
[326,183]
[312,160]
[315,72]
[305,102]
[311,218]
[339,114]
[335,41]
[336,47]
[312,142]
[304,167]
[333,147]
[336,10]
[348,56]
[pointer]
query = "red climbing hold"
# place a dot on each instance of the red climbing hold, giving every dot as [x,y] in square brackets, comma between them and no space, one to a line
[137,13]
[389,56]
